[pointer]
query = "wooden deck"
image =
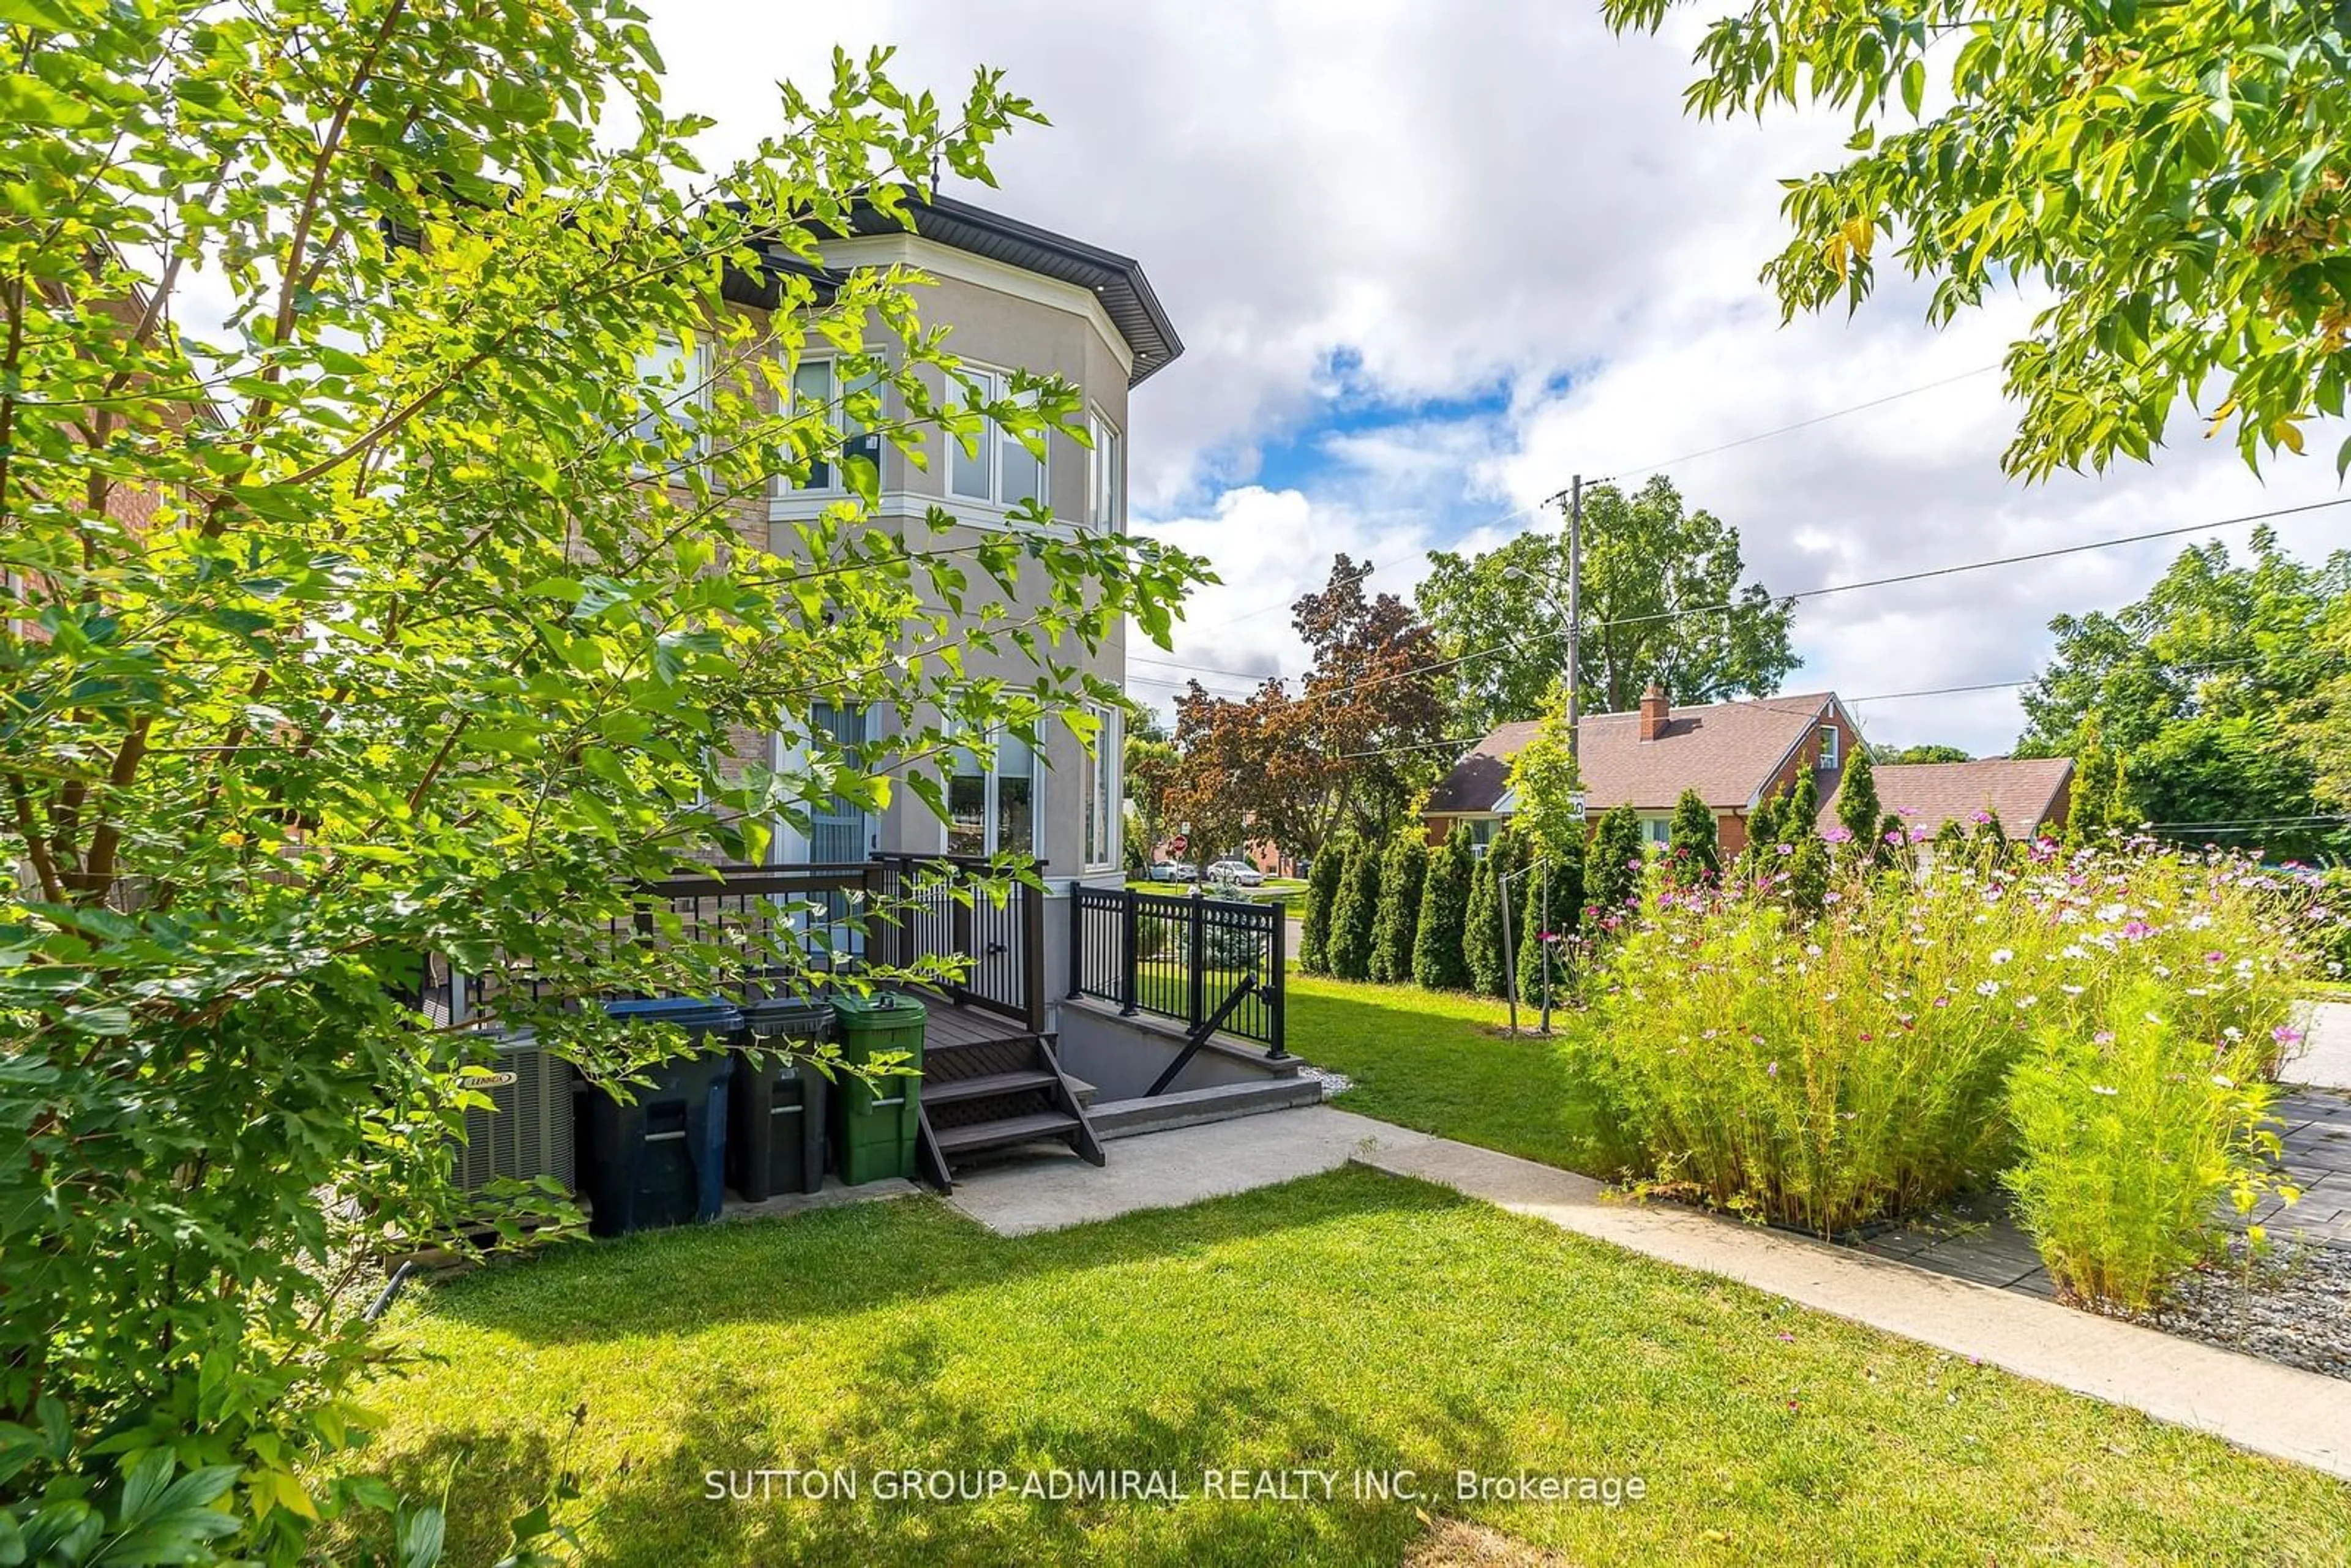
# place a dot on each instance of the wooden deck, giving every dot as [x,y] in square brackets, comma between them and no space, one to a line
[951,1024]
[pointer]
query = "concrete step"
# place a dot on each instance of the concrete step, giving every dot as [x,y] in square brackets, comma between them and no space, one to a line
[1190,1107]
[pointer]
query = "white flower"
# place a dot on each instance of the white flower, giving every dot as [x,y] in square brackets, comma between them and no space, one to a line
[1988,989]
[2001,954]
[2101,1089]
[2223,1082]
[2233,1033]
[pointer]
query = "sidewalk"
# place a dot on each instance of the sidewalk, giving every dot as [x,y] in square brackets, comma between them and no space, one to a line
[2324,1060]
[2254,1404]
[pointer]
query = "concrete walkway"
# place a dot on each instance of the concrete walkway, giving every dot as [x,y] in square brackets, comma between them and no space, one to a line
[2254,1404]
[2324,1060]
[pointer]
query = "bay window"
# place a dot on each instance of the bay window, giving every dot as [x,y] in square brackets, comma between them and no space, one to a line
[670,380]
[1100,775]
[1105,476]
[1000,470]
[992,805]
[817,387]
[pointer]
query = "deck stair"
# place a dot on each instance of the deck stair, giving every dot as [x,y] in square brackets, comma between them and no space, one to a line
[984,1089]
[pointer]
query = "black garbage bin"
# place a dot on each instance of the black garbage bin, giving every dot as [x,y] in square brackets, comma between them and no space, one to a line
[775,1137]
[661,1160]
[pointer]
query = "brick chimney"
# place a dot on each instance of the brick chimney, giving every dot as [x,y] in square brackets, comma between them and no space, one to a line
[1654,712]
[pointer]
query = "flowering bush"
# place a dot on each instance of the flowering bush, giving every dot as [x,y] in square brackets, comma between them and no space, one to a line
[2126,1142]
[1826,1072]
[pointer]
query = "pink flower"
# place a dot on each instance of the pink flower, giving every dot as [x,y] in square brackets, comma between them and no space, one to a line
[1785,849]
[1838,835]
[2138,929]
[2286,1036]
[1772,1071]
[1982,817]
[2216,958]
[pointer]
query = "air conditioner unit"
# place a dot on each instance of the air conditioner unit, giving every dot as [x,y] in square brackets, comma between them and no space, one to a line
[529,1133]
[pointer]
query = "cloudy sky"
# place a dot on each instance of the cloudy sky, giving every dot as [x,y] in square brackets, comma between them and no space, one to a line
[1429,261]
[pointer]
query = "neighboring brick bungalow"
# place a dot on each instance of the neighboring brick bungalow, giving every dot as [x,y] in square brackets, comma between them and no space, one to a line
[2028,794]
[1735,755]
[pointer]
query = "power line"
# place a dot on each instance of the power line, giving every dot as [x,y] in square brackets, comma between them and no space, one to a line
[2315,819]
[1823,592]
[1872,697]
[1801,425]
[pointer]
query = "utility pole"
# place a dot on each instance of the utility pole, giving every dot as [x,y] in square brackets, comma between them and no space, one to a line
[1574,604]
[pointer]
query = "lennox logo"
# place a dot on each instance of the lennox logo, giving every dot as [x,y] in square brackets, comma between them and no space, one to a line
[487,1079]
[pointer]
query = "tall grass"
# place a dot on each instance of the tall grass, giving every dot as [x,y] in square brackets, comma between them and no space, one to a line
[1828,1072]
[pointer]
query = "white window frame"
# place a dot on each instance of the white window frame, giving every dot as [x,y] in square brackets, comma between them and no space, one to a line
[695,401]
[780,484]
[993,441]
[1102,774]
[1831,746]
[1105,475]
[988,809]
[1656,832]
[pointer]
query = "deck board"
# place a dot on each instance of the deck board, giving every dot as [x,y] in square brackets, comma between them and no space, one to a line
[949,1024]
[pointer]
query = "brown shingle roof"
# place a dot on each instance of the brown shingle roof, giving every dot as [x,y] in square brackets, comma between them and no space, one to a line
[2020,791]
[1726,752]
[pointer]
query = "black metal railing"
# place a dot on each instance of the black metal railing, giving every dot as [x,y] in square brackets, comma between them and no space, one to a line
[900,912]
[992,926]
[1182,957]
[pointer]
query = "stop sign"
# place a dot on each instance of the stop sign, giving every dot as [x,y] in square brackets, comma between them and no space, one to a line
[1181,843]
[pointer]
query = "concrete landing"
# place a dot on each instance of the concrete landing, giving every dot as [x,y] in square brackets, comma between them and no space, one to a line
[1170,1169]
[2256,1405]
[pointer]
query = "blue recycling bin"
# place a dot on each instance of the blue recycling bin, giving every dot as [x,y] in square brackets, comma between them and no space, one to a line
[661,1160]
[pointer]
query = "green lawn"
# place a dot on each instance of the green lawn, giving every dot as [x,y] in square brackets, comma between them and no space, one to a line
[1351,1322]
[1438,1061]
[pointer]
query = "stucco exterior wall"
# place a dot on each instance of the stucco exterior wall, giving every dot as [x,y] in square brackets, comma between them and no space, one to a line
[1032,324]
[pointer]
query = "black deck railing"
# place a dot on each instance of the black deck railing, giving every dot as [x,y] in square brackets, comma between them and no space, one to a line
[1182,957]
[893,910]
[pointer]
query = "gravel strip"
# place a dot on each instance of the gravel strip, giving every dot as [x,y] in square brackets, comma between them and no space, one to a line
[2294,1307]
[1333,1083]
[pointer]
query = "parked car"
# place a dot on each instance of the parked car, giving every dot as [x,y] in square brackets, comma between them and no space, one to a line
[1173,870]
[1239,873]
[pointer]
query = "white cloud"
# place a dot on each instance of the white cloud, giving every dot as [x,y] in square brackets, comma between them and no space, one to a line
[1498,191]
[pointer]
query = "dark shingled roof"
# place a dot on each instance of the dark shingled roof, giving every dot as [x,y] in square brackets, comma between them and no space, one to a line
[1115,280]
[1725,751]
[2020,791]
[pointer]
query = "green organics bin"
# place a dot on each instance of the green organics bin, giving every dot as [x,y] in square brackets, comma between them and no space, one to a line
[878,1120]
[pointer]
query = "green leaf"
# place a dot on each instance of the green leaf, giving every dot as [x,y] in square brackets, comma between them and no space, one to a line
[420,1538]
[1914,86]
[48,15]
[145,1475]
